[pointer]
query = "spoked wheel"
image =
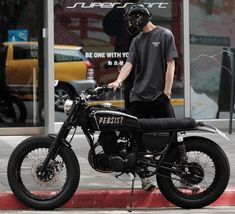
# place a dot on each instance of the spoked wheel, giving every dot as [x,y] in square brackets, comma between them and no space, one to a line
[199,182]
[47,189]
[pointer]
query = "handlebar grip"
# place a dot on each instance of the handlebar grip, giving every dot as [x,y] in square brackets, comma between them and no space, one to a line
[91,91]
[107,88]
[99,90]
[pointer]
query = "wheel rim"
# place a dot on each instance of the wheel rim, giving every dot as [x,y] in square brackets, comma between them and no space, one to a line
[42,187]
[61,96]
[203,172]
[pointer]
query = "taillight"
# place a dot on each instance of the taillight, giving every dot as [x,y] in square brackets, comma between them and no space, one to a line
[90,71]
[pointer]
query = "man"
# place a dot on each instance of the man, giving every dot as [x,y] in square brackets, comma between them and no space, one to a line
[152,53]
[122,40]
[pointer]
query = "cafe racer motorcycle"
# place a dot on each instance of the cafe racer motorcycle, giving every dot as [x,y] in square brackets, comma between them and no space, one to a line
[191,171]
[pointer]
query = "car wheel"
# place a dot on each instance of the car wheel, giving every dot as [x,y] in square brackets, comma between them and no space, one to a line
[62,93]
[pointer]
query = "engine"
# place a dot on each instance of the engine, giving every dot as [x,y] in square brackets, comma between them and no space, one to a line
[116,154]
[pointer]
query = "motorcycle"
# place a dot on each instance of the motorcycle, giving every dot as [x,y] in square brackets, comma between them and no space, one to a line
[191,171]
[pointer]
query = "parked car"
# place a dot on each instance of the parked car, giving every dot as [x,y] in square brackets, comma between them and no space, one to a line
[72,70]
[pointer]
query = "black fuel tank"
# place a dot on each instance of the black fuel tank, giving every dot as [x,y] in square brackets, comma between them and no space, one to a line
[111,120]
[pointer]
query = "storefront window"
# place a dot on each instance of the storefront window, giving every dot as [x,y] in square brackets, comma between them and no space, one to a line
[97,29]
[21,101]
[212,36]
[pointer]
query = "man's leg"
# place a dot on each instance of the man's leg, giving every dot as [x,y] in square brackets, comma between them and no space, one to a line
[141,110]
[162,108]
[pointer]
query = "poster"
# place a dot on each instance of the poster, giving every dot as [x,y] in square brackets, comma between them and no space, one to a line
[19,35]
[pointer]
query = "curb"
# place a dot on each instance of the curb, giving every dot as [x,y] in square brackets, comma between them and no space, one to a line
[114,199]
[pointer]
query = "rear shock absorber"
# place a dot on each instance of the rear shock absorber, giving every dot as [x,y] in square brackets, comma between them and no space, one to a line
[182,148]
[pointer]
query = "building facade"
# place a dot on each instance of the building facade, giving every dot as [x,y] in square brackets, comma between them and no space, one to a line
[51,49]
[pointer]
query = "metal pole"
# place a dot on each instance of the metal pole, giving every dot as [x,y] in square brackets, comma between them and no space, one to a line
[187,91]
[35,86]
[48,35]
[232,94]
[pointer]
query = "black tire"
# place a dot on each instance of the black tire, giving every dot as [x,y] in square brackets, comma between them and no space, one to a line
[44,194]
[216,176]
[16,110]
[62,93]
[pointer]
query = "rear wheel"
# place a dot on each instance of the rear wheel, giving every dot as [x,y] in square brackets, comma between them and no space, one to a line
[47,190]
[201,181]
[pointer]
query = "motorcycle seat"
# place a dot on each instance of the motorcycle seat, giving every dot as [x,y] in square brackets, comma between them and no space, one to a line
[167,124]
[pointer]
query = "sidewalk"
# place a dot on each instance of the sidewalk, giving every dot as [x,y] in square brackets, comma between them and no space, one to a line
[99,190]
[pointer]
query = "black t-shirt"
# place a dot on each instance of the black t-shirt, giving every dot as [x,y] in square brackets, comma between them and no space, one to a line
[149,52]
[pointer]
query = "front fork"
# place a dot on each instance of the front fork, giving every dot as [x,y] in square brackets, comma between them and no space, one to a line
[59,140]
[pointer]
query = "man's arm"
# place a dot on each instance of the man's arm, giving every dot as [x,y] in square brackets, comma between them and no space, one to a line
[125,71]
[169,78]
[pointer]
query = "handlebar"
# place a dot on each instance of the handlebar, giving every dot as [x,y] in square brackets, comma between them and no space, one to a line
[98,91]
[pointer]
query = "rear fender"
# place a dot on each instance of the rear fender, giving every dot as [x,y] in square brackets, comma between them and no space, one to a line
[189,138]
[211,129]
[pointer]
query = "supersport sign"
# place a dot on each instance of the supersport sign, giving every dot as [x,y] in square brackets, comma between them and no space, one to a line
[107,5]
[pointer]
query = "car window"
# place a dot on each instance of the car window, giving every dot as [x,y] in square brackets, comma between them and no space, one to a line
[25,52]
[63,55]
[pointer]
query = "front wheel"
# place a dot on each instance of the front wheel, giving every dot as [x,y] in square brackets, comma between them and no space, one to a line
[44,191]
[199,182]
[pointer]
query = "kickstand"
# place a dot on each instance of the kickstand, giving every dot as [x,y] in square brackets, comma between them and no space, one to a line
[132,178]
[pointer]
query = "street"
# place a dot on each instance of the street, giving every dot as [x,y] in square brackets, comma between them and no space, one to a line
[215,210]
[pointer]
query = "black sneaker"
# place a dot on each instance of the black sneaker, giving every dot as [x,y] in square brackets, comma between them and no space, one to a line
[147,185]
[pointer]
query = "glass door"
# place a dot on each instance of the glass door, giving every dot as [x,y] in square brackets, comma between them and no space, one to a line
[21,70]
[98,32]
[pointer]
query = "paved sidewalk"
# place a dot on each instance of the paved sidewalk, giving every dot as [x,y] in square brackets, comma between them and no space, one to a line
[98,182]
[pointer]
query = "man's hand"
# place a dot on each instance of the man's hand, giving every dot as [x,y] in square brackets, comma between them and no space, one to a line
[167,93]
[115,85]
[125,71]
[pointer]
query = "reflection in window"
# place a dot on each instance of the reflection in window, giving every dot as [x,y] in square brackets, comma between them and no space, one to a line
[21,77]
[103,30]
[211,37]
[62,55]
[25,52]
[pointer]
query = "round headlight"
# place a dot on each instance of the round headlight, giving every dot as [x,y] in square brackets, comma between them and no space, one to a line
[68,105]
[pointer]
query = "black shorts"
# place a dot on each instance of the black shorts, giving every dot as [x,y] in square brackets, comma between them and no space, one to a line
[159,108]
